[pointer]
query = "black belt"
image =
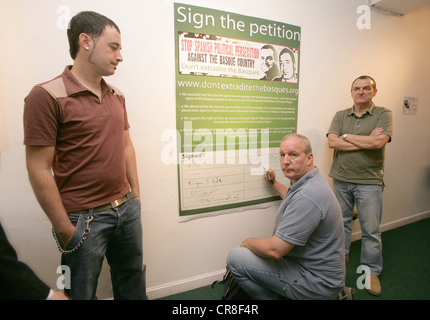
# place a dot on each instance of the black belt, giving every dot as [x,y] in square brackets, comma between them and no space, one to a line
[130,195]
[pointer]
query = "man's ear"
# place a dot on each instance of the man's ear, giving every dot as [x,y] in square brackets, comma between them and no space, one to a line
[310,158]
[85,41]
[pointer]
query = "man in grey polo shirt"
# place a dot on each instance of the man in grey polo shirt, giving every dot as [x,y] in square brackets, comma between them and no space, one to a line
[358,136]
[304,258]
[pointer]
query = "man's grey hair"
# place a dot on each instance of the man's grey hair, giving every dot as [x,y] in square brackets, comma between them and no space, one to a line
[307,148]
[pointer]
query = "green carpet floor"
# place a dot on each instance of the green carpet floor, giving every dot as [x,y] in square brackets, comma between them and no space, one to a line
[406,273]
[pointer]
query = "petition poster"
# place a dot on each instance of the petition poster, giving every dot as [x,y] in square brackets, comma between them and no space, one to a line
[237,86]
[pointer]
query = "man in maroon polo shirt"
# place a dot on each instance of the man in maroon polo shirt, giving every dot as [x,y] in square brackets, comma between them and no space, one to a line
[76,126]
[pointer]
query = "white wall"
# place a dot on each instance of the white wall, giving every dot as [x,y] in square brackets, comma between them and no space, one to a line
[180,256]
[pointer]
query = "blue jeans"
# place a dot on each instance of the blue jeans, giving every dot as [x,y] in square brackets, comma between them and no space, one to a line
[259,277]
[116,234]
[275,279]
[368,200]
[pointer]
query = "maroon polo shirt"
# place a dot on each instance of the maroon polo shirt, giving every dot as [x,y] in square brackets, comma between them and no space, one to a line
[88,135]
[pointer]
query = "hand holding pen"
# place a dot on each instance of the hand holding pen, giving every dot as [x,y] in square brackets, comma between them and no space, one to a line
[269,176]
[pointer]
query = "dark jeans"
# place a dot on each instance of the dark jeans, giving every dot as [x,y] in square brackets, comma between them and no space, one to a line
[116,234]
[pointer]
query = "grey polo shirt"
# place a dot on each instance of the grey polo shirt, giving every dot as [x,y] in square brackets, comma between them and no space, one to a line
[310,218]
[361,166]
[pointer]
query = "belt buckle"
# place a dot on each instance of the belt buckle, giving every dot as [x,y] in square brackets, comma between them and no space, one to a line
[116,203]
[130,195]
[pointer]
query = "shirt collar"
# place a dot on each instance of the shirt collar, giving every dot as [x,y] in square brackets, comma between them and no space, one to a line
[368,111]
[304,179]
[73,86]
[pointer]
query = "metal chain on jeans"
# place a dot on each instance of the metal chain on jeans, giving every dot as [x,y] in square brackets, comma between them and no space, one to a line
[84,236]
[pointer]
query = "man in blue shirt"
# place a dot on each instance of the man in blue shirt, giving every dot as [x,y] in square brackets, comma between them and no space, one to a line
[304,258]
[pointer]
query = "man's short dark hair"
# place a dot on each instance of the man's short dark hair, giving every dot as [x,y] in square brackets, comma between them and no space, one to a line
[372,81]
[89,22]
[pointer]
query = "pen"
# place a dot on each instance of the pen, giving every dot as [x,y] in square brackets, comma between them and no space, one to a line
[268,176]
